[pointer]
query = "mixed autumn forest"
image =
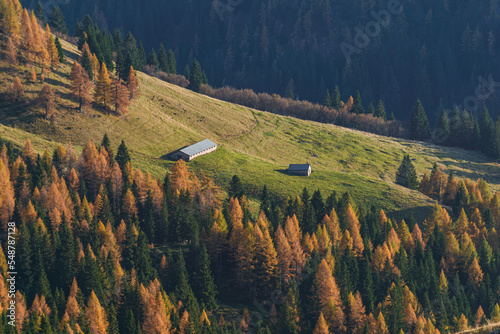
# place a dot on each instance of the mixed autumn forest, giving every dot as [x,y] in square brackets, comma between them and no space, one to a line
[105,247]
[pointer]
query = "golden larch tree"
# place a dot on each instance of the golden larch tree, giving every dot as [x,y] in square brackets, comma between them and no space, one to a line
[461,225]
[27,39]
[495,313]
[94,63]
[96,316]
[51,48]
[294,236]
[133,84]
[462,323]
[382,326]
[129,207]
[102,90]
[327,286]
[321,326]
[354,226]
[266,258]
[475,273]
[12,11]
[284,254]
[180,176]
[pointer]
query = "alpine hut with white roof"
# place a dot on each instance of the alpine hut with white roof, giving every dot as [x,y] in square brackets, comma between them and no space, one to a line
[203,147]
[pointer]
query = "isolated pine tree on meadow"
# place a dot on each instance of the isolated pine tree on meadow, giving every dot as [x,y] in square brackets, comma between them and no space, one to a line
[406,174]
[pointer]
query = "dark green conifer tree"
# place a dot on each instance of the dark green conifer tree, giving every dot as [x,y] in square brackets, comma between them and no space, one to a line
[40,13]
[143,262]
[113,327]
[358,108]
[87,65]
[183,290]
[442,132]
[163,59]
[122,155]
[371,109]
[60,50]
[406,174]
[380,110]
[318,206]
[56,20]
[327,102]
[419,123]
[153,60]
[205,287]
[455,128]
[235,188]
[336,98]
[195,76]
[172,63]
[141,57]
[487,128]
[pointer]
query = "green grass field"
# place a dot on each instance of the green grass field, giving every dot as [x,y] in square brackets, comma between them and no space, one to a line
[258,146]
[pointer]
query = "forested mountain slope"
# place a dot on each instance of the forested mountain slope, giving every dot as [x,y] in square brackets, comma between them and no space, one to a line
[432,50]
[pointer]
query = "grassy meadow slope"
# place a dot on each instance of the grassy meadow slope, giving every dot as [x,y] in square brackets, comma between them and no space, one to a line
[258,146]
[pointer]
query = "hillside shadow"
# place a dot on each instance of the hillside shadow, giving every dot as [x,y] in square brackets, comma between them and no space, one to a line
[282,171]
[71,54]
[171,155]
[56,83]
[419,213]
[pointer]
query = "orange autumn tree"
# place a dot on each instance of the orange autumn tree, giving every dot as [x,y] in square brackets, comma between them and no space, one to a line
[7,200]
[51,48]
[321,326]
[266,259]
[16,90]
[81,86]
[11,52]
[119,97]
[329,297]
[356,312]
[47,100]
[156,308]
[354,226]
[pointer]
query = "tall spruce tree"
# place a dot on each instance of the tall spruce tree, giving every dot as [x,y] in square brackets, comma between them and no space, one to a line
[357,107]
[419,123]
[56,20]
[327,102]
[336,98]
[442,132]
[195,76]
[487,128]
[206,290]
[172,63]
[122,155]
[406,174]
[163,59]
[380,110]
[153,60]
